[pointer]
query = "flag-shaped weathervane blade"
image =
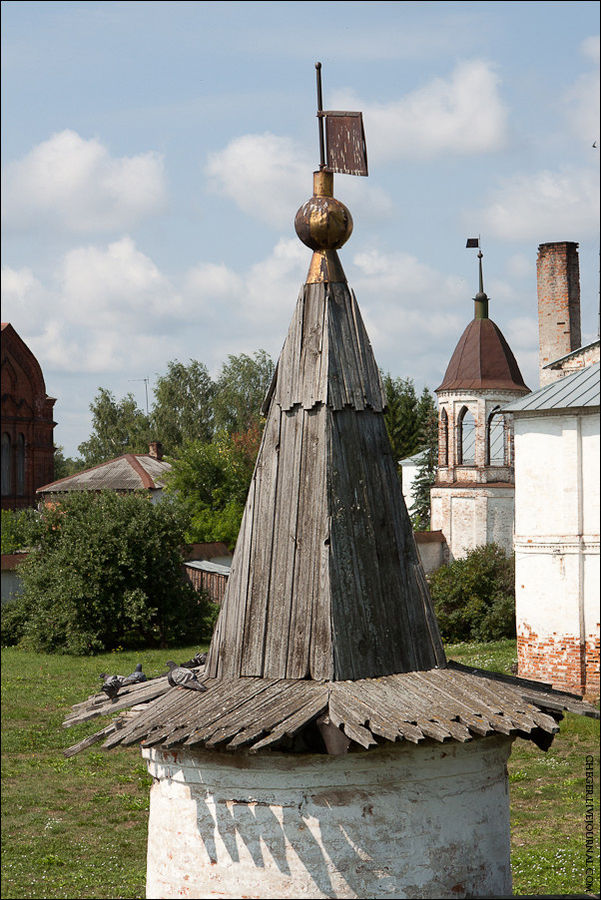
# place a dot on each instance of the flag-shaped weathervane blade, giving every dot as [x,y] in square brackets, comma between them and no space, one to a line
[473,242]
[344,138]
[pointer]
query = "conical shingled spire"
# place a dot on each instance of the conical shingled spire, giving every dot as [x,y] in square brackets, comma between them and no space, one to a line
[325,583]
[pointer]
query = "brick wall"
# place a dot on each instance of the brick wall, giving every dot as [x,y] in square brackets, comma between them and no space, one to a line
[26,416]
[558,286]
[560,659]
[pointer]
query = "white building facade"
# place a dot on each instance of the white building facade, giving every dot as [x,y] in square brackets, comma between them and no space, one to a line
[557,532]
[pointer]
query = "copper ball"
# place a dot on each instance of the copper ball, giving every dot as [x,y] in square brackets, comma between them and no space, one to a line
[323,223]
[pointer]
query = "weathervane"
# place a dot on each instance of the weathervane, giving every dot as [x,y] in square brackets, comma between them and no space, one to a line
[481,299]
[343,145]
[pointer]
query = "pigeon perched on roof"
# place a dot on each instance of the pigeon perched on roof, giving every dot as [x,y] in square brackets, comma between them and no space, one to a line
[112,685]
[198,660]
[178,676]
[136,677]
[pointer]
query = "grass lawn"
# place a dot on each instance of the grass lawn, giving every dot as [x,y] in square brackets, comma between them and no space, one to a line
[77,827]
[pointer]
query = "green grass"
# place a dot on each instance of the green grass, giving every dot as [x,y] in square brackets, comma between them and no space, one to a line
[70,827]
[78,827]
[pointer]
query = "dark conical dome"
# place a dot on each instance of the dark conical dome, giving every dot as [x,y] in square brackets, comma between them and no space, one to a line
[483,359]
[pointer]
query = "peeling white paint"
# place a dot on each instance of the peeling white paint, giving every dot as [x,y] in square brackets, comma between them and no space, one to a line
[400,821]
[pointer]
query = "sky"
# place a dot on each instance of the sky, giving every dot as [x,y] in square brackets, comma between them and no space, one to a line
[154,155]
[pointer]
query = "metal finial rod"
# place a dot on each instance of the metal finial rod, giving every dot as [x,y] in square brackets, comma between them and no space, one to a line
[480,255]
[322,152]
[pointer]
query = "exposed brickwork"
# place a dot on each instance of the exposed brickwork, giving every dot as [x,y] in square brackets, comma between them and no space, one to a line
[26,421]
[561,660]
[558,286]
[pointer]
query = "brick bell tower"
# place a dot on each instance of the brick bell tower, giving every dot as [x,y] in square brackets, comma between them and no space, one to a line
[472,501]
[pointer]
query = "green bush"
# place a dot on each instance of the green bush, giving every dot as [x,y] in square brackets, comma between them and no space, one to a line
[19,529]
[106,572]
[474,597]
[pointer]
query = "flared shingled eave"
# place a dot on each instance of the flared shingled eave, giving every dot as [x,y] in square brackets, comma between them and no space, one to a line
[483,360]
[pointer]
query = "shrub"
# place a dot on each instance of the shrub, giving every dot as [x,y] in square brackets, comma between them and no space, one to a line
[19,529]
[106,572]
[474,597]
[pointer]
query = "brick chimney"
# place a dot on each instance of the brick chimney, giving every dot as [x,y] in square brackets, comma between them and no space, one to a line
[155,449]
[558,284]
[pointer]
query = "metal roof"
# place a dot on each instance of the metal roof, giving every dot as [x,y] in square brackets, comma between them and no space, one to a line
[571,392]
[572,355]
[130,472]
[205,566]
[482,360]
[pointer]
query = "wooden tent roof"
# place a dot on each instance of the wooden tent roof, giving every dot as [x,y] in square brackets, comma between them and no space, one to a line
[325,581]
[327,625]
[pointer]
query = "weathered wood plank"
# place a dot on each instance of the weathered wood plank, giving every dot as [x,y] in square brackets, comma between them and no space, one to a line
[284,576]
[307,605]
[91,740]
[259,572]
[289,727]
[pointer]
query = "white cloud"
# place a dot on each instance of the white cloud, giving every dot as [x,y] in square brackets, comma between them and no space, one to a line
[520,266]
[544,206]
[264,174]
[269,177]
[117,286]
[406,278]
[74,184]
[590,47]
[463,114]
[581,108]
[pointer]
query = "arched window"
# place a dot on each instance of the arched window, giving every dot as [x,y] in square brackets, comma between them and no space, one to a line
[466,438]
[20,465]
[443,439]
[496,441]
[6,465]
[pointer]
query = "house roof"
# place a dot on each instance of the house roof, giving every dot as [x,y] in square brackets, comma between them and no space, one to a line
[206,566]
[130,472]
[482,359]
[573,355]
[576,391]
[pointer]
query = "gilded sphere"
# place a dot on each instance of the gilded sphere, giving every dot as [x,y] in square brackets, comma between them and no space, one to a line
[323,223]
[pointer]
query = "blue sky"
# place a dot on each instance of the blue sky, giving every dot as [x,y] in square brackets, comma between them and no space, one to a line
[155,154]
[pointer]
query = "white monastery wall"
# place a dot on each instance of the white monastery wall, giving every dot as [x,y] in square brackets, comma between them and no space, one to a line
[557,549]
[398,821]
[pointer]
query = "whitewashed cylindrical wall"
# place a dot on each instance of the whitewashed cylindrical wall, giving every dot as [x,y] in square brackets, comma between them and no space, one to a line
[398,821]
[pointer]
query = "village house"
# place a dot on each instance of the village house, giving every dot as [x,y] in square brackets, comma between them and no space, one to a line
[129,472]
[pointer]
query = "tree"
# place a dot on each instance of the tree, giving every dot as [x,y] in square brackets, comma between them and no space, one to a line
[183,405]
[211,480]
[240,390]
[405,414]
[426,472]
[117,428]
[106,572]
[401,415]
[65,465]
[474,597]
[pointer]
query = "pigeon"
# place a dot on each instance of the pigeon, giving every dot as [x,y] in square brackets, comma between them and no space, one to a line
[136,677]
[112,685]
[178,676]
[198,660]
